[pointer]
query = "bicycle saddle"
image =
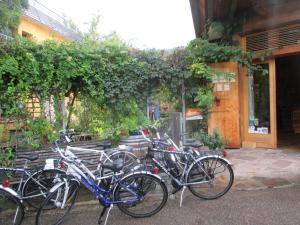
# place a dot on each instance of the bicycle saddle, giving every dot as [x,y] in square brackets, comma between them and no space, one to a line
[115,166]
[30,157]
[104,145]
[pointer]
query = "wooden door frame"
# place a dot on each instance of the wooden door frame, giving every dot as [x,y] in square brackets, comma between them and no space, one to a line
[261,140]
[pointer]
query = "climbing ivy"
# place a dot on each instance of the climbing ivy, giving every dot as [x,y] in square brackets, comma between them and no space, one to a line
[111,75]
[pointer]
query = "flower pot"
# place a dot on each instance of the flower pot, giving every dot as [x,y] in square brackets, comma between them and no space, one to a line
[193,112]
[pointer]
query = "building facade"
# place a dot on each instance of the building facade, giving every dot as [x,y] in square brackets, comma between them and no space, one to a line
[40,24]
[257,110]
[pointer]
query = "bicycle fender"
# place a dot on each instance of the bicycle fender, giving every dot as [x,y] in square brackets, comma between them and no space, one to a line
[58,185]
[32,175]
[10,191]
[207,157]
[215,156]
[145,172]
[141,172]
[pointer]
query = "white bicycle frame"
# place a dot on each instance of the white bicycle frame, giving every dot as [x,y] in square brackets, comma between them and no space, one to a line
[102,153]
[78,171]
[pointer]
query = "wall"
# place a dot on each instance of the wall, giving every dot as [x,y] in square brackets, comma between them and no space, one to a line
[38,31]
[225,114]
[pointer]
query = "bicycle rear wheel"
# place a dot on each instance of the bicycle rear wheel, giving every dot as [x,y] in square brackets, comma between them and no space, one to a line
[129,161]
[128,158]
[36,188]
[54,201]
[11,209]
[217,178]
[141,195]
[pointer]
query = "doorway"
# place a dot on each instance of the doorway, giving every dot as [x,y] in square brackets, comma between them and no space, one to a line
[288,102]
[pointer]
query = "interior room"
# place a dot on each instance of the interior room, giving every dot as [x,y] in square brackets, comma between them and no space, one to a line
[288,102]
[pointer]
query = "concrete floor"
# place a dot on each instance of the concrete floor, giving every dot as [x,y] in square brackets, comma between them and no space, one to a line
[260,207]
[289,141]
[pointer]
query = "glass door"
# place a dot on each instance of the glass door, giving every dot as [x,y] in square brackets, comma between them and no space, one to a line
[259,101]
[260,106]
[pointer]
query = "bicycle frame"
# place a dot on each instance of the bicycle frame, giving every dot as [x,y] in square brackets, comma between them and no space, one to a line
[84,176]
[182,179]
[102,153]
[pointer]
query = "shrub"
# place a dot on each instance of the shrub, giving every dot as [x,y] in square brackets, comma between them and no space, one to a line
[213,141]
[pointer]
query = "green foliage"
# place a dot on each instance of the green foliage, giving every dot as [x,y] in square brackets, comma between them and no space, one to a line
[7,156]
[205,98]
[107,122]
[111,80]
[213,141]
[216,30]
[207,52]
[39,131]
[47,69]
[10,12]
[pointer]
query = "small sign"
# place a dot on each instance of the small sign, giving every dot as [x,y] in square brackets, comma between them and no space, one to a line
[49,164]
[219,87]
[226,87]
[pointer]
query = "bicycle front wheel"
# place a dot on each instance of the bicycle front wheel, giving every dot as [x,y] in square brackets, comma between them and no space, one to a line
[11,209]
[60,201]
[210,178]
[141,195]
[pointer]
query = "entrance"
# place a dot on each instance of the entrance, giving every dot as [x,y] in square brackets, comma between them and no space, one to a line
[288,102]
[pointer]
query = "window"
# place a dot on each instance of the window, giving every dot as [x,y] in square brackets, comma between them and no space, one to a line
[26,34]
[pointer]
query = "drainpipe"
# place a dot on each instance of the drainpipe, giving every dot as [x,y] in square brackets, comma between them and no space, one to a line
[183,114]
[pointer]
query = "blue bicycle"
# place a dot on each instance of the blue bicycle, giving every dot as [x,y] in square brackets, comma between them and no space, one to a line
[137,193]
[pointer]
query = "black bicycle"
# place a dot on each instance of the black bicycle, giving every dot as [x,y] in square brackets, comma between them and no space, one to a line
[32,188]
[207,175]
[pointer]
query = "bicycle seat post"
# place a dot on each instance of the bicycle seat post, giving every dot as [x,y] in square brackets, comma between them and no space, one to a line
[26,164]
[22,177]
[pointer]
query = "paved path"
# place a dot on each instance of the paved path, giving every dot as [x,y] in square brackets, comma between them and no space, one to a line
[260,207]
[254,170]
[265,168]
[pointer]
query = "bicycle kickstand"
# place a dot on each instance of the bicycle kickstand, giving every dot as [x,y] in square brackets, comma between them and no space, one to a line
[103,212]
[181,195]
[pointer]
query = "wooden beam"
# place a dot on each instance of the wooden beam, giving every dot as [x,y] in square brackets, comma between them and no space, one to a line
[203,14]
[232,9]
[198,9]
[288,50]
[276,16]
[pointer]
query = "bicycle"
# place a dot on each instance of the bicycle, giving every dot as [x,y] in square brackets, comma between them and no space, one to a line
[208,176]
[31,190]
[127,191]
[122,152]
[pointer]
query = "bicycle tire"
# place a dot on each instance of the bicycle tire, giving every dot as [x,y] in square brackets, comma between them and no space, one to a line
[11,209]
[31,188]
[148,190]
[220,183]
[54,199]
